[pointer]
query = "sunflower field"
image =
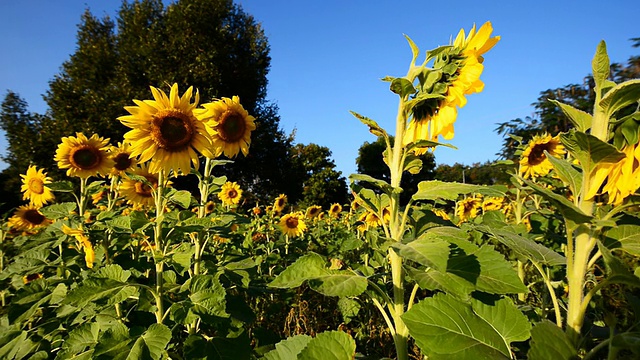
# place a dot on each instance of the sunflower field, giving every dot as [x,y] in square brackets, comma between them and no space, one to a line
[113,262]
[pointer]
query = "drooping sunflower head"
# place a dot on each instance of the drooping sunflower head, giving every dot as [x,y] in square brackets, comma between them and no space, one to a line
[493,203]
[534,162]
[83,243]
[84,157]
[468,208]
[137,191]
[166,131]
[292,224]
[28,217]
[335,210]
[34,187]
[313,211]
[229,125]
[280,203]
[230,194]
[122,159]
[441,213]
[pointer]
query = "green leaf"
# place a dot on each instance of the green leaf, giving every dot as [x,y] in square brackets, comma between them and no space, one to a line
[435,189]
[566,207]
[151,344]
[113,341]
[447,328]
[426,251]
[402,87]
[217,348]
[625,238]
[526,248]
[307,267]
[374,128]
[506,319]
[79,339]
[627,340]
[432,279]
[580,119]
[590,150]
[58,211]
[208,296]
[120,223]
[343,284]
[617,271]
[181,198]
[288,348]
[569,175]
[330,345]
[414,48]
[61,186]
[549,342]
[349,308]
[380,184]
[621,96]
[600,65]
[106,282]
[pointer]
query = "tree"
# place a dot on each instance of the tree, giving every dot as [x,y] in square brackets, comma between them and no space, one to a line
[549,118]
[322,184]
[370,162]
[488,173]
[212,45]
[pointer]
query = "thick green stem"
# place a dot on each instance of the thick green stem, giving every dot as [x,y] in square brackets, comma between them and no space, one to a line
[159,246]
[401,336]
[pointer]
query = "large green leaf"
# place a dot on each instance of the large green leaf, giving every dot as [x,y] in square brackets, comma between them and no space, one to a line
[330,345]
[79,341]
[617,271]
[549,342]
[505,318]
[380,184]
[151,344]
[307,267]
[208,296]
[621,96]
[625,238]
[402,87]
[432,279]
[288,348]
[58,211]
[569,175]
[342,284]
[435,189]
[566,207]
[447,328]
[525,247]
[580,119]
[590,150]
[600,65]
[426,251]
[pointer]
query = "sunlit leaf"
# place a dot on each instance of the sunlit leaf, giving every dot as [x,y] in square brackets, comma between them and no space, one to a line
[548,341]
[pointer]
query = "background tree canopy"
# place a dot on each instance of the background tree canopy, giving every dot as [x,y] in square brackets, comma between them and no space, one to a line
[212,45]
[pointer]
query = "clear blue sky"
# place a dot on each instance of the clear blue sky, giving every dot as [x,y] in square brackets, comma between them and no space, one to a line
[328,57]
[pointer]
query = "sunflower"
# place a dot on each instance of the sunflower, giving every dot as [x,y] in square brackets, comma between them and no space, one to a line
[209,207]
[468,208]
[335,210]
[534,162]
[122,159]
[33,187]
[137,192]
[84,157]
[623,177]
[83,243]
[368,220]
[441,213]
[313,211]
[31,277]
[280,203]
[229,125]
[230,193]
[28,217]
[293,224]
[492,203]
[166,131]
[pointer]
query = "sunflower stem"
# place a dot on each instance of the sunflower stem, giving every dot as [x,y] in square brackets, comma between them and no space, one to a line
[159,199]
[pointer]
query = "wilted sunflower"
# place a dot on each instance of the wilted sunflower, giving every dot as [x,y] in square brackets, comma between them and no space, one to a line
[335,210]
[229,125]
[468,208]
[280,203]
[84,157]
[33,187]
[293,224]
[138,192]
[28,217]
[122,160]
[83,243]
[166,131]
[313,211]
[230,193]
[534,162]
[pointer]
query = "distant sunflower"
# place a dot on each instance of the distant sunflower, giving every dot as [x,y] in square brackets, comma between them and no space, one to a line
[534,162]
[492,203]
[209,207]
[28,217]
[335,210]
[138,192]
[313,211]
[280,203]
[122,160]
[84,157]
[229,125]
[230,193]
[468,208]
[292,224]
[166,131]
[31,277]
[34,187]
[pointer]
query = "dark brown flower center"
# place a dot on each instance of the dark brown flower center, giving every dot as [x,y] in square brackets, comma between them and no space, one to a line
[36,186]
[232,194]
[34,217]
[231,127]
[313,211]
[280,203]
[143,189]
[122,161]
[85,157]
[292,222]
[172,130]
[537,156]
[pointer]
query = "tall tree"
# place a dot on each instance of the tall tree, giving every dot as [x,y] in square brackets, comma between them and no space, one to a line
[212,45]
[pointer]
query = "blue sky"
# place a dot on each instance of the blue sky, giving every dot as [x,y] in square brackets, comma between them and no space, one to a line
[328,57]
